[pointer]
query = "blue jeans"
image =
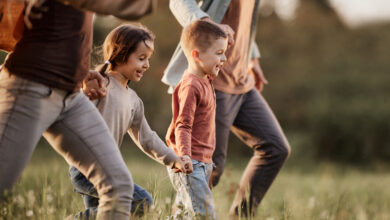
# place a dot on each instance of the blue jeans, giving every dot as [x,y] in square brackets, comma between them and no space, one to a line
[142,200]
[193,195]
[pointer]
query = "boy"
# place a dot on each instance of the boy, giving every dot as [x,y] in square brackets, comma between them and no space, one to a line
[192,130]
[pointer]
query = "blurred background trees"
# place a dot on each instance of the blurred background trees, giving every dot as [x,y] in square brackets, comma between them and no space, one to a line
[328,83]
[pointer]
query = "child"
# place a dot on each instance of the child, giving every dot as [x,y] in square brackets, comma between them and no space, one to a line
[127,50]
[192,130]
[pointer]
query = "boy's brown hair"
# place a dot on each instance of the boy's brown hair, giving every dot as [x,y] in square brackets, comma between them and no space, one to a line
[200,35]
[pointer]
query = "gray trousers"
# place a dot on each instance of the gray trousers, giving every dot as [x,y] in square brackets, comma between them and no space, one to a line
[251,119]
[73,127]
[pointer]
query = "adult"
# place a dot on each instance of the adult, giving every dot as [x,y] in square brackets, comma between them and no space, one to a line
[240,106]
[39,94]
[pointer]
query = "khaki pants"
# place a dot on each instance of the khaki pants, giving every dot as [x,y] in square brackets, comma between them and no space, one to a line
[73,127]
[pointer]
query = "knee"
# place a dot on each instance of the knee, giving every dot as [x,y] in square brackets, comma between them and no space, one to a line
[277,150]
[283,151]
[122,186]
[141,203]
[125,184]
[148,201]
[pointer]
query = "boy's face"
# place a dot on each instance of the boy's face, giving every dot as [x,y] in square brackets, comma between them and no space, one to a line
[211,59]
[138,62]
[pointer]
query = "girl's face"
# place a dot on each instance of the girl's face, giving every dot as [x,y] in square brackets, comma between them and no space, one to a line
[138,62]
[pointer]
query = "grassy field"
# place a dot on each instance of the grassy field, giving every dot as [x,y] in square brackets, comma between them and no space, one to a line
[311,191]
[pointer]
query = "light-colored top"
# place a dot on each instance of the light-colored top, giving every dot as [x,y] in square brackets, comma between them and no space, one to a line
[233,77]
[192,130]
[123,112]
[186,11]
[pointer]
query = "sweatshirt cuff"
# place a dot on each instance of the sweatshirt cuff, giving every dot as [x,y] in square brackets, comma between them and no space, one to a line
[170,159]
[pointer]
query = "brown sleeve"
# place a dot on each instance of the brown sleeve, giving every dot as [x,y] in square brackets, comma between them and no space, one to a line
[125,9]
[187,102]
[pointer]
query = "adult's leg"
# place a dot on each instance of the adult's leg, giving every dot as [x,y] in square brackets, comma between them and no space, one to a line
[256,118]
[26,110]
[227,108]
[81,136]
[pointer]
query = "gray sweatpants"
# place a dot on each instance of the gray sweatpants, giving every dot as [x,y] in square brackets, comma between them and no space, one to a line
[73,127]
[251,119]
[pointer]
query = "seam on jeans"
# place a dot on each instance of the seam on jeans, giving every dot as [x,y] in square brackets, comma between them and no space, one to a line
[88,149]
[191,194]
[11,113]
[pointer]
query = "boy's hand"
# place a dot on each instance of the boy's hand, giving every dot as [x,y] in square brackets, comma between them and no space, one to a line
[260,79]
[94,85]
[183,164]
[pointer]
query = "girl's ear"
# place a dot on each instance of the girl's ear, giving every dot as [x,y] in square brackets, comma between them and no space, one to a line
[195,54]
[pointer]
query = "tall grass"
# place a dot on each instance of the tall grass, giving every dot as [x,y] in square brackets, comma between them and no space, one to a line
[317,191]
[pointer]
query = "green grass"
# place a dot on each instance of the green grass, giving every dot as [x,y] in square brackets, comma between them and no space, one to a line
[311,191]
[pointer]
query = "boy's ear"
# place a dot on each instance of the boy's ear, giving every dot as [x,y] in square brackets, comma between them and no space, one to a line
[195,54]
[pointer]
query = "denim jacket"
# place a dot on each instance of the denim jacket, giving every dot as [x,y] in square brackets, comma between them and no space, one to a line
[186,11]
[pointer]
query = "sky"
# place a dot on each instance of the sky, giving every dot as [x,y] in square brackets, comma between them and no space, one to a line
[353,12]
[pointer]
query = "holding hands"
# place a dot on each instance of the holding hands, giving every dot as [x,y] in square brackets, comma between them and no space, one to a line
[183,164]
[94,85]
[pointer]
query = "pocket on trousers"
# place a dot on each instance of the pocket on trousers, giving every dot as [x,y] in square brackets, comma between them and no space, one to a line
[19,86]
[34,89]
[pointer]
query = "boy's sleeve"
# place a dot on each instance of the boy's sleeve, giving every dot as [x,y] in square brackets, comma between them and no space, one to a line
[125,9]
[147,140]
[186,11]
[187,102]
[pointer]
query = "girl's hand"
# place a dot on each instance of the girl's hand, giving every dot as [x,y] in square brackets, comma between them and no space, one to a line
[183,164]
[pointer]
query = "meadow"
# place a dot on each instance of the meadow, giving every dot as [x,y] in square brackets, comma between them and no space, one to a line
[303,190]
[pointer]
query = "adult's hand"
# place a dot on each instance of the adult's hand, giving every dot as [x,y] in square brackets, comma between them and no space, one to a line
[228,30]
[34,10]
[96,93]
[260,79]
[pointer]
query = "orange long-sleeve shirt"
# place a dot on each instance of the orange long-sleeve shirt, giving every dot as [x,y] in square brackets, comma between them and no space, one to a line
[192,130]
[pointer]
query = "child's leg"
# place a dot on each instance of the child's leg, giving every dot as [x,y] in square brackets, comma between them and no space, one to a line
[193,191]
[142,201]
[81,184]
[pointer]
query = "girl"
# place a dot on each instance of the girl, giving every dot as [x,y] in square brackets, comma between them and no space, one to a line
[127,50]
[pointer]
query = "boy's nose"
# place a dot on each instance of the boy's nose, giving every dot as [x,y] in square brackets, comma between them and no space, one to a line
[223,59]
